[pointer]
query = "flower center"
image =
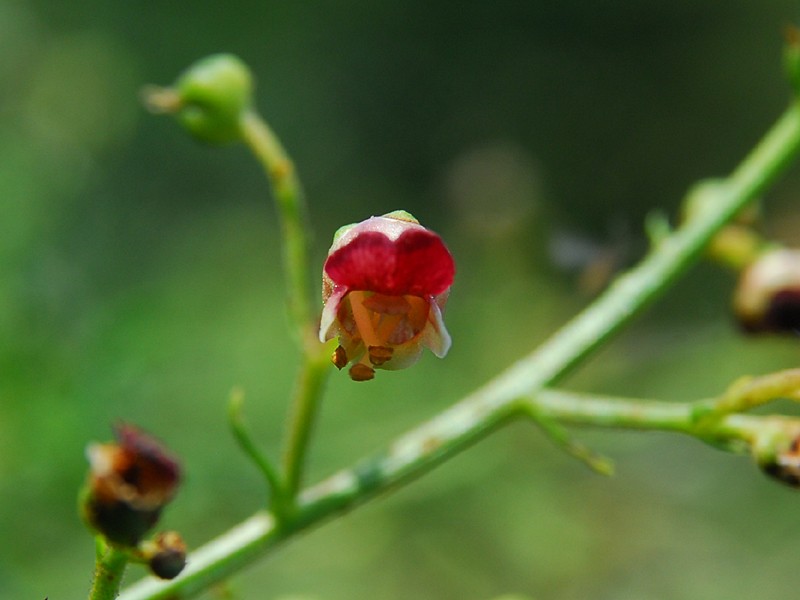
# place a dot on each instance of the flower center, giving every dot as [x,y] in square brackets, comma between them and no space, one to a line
[383,320]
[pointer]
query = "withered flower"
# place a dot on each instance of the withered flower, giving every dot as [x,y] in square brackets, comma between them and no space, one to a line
[129,484]
[785,465]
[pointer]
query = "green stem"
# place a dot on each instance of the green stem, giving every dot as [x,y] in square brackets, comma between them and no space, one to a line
[488,407]
[109,570]
[249,447]
[728,431]
[290,203]
[635,290]
[305,406]
[291,207]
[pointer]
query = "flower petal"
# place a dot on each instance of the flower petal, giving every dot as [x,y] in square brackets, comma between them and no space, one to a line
[328,328]
[435,334]
[416,263]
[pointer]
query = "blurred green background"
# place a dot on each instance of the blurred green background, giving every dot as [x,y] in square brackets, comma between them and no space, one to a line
[139,280]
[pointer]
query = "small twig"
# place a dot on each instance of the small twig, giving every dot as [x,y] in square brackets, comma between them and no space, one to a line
[249,447]
[559,435]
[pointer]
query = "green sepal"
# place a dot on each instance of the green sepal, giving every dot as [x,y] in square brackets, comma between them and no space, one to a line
[402,215]
[342,230]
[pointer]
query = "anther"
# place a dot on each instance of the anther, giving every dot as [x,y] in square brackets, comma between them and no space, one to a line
[361,372]
[378,355]
[339,358]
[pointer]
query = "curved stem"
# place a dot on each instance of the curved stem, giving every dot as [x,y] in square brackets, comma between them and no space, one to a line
[290,203]
[294,234]
[109,570]
[485,409]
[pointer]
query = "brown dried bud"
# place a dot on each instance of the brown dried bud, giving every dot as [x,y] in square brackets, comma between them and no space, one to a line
[767,298]
[166,555]
[785,466]
[129,484]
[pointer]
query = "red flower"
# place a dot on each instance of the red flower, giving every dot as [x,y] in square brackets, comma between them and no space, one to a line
[385,284]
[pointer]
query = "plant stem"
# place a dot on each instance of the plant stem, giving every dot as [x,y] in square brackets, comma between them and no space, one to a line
[290,203]
[308,395]
[278,500]
[491,405]
[108,573]
[294,233]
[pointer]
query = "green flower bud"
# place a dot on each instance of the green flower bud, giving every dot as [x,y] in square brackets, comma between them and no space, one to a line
[791,56]
[212,95]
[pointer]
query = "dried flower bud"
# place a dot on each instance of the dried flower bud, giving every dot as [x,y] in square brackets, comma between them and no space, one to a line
[785,466]
[385,284]
[129,484]
[767,298]
[165,555]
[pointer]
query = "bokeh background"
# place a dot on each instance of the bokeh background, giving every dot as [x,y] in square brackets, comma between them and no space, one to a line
[139,280]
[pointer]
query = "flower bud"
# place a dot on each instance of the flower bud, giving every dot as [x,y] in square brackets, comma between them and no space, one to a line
[785,465]
[385,285]
[214,93]
[165,555]
[791,56]
[129,484]
[209,98]
[767,298]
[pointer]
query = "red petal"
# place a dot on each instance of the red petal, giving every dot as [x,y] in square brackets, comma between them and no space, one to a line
[416,263]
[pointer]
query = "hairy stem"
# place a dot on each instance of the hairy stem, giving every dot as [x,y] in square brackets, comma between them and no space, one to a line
[488,407]
[109,570]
